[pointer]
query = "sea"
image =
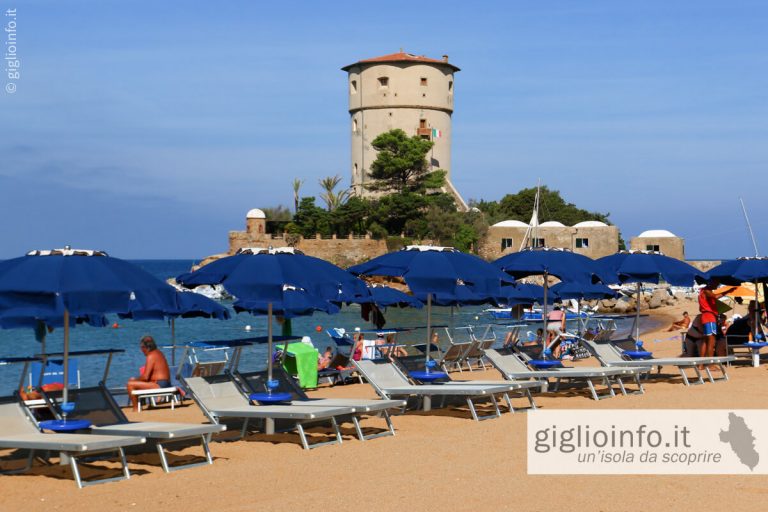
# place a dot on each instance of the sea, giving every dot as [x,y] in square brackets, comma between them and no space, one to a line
[125,335]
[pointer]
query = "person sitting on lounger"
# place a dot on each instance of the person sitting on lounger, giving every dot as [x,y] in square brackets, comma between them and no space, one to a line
[324,361]
[682,324]
[156,373]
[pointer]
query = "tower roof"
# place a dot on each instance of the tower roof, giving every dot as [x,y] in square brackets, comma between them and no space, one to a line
[402,56]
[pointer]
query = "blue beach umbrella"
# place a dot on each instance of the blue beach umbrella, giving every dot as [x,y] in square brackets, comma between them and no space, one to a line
[187,305]
[442,274]
[743,270]
[580,291]
[282,281]
[646,267]
[84,283]
[385,296]
[545,261]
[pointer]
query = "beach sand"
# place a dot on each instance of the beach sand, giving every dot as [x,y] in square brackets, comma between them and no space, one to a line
[437,461]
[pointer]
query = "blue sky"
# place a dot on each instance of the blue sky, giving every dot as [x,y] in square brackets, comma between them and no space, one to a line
[148,129]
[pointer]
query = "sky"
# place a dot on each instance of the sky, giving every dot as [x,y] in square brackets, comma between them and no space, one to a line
[149,129]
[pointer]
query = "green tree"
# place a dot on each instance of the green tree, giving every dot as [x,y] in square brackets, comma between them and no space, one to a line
[311,219]
[333,199]
[519,206]
[401,164]
[352,216]
[297,183]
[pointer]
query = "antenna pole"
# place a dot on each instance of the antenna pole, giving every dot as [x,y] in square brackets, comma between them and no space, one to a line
[749,227]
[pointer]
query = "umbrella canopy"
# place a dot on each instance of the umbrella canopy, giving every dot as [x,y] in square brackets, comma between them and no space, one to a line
[186,305]
[440,274]
[385,296]
[583,291]
[85,283]
[742,270]
[432,270]
[545,261]
[282,281]
[647,267]
[561,263]
[527,293]
[292,282]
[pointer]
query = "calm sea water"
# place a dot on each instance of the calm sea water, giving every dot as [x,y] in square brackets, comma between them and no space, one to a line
[21,342]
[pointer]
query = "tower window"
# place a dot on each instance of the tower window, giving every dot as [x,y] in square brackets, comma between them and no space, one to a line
[422,123]
[383,82]
[354,125]
[423,81]
[450,86]
[353,87]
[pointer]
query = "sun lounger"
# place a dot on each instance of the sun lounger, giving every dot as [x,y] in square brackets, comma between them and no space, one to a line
[609,355]
[220,397]
[98,406]
[19,431]
[389,382]
[171,394]
[255,382]
[416,363]
[511,366]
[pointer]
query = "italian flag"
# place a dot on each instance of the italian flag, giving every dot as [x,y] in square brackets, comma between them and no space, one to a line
[436,134]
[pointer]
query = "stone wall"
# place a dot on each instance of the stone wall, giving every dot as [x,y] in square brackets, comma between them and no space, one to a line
[704,265]
[342,251]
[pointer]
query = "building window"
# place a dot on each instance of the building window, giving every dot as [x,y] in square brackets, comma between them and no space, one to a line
[422,123]
[354,171]
[539,242]
[383,82]
[423,82]
[582,243]
[654,248]
[354,125]
[450,86]
[506,243]
[353,87]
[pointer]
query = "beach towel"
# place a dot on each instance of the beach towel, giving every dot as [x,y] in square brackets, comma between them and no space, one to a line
[301,360]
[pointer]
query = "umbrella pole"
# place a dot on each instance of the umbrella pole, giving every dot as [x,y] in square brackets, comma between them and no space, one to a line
[173,342]
[429,327]
[66,356]
[637,311]
[756,313]
[269,423]
[544,315]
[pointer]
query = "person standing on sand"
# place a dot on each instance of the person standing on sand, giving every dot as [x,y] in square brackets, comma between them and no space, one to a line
[156,373]
[708,308]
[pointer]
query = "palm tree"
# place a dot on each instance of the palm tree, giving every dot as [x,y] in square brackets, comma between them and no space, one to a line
[333,199]
[297,183]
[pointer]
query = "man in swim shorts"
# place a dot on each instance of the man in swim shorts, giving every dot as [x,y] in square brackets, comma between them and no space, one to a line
[708,308]
[156,373]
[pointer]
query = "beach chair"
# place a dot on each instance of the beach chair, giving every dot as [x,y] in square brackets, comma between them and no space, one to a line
[512,366]
[609,355]
[390,382]
[523,387]
[98,406]
[219,397]
[18,430]
[255,382]
[453,356]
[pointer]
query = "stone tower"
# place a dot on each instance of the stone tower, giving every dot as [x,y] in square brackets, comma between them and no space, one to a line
[406,91]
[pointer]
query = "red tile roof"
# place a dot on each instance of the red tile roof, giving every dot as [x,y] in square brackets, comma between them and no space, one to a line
[402,56]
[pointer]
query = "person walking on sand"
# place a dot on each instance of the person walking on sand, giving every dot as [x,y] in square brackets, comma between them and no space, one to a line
[156,373]
[708,308]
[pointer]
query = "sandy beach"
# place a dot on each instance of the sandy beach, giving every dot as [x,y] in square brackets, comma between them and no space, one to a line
[440,460]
